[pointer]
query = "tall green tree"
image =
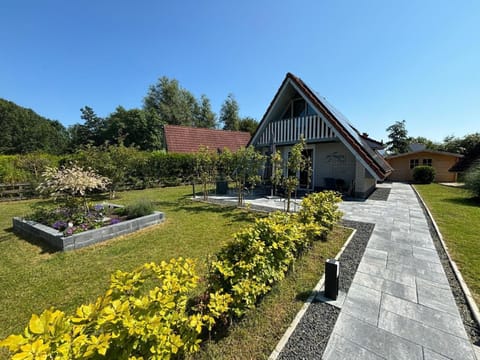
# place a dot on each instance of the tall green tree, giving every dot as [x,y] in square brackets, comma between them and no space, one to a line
[459,145]
[24,131]
[90,132]
[248,124]
[134,127]
[94,124]
[173,104]
[398,135]
[204,116]
[229,114]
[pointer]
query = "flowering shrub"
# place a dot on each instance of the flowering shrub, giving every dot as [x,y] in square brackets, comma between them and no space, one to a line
[70,184]
[71,181]
[143,314]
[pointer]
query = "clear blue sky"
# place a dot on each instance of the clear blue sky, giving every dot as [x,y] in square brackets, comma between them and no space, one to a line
[377,61]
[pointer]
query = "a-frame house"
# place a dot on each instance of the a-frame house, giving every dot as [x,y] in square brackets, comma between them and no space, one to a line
[340,155]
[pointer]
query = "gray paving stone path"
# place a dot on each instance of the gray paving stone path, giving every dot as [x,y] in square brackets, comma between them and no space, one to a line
[400,305]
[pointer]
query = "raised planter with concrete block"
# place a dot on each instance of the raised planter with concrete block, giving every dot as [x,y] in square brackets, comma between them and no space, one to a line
[57,240]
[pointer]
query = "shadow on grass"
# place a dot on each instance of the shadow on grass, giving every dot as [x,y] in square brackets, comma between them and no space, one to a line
[228,211]
[44,247]
[8,234]
[475,202]
[303,296]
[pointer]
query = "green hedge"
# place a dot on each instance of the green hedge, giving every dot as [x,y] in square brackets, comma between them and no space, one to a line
[261,255]
[127,167]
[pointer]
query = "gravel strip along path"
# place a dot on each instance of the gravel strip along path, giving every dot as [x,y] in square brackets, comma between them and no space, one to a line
[310,337]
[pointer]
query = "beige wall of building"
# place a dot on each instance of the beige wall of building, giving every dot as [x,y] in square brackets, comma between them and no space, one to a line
[403,165]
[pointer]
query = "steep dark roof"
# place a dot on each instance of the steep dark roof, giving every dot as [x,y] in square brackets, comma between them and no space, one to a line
[359,142]
[182,139]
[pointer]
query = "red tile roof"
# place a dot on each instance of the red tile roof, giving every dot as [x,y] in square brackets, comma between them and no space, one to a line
[182,139]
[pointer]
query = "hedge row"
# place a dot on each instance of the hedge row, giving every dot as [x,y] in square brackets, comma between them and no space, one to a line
[261,255]
[127,167]
[146,313]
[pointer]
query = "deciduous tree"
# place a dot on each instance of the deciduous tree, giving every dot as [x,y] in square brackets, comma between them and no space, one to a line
[248,124]
[397,133]
[229,114]
[173,104]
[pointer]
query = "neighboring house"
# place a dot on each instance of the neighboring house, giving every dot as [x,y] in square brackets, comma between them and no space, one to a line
[339,153]
[442,162]
[183,139]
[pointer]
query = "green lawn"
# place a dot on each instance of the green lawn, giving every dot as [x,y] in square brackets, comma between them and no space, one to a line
[33,279]
[458,217]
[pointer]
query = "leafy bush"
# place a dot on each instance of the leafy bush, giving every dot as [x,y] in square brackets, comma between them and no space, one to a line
[258,256]
[472,180]
[261,255]
[25,168]
[138,209]
[143,314]
[320,209]
[10,173]
[423,174]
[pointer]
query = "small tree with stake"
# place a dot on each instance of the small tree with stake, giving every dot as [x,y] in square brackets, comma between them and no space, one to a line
[243,168]
[296,162]
[205,168]
[277,171]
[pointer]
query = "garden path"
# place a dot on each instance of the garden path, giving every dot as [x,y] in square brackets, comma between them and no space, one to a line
[400,305]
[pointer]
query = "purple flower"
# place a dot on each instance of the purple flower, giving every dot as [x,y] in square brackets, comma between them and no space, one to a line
[59,225]
[114,221]
[69,231]
[98,207]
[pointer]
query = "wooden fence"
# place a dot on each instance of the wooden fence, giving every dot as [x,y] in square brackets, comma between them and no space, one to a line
[9,192]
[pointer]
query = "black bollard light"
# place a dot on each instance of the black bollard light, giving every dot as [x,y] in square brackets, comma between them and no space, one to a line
[332,272]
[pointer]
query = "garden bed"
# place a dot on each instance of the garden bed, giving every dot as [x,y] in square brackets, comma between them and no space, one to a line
[57,240]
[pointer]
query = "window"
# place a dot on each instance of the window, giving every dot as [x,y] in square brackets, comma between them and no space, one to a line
[427,162]
[310,110]
[413,163]
[298,108]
